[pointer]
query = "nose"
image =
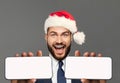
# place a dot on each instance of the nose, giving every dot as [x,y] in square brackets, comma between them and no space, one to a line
[59,39]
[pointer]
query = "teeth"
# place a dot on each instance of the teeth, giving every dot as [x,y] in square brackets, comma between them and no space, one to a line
[59,46]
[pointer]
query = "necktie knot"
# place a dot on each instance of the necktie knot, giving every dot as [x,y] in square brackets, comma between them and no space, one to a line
[60,64]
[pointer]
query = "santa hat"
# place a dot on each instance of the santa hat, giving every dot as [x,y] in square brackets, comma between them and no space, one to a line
[63,18]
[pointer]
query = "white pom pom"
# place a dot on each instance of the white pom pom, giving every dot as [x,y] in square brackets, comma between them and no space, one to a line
[79,37]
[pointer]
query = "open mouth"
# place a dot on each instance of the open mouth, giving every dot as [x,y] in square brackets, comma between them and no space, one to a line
[59,46]
[59,49]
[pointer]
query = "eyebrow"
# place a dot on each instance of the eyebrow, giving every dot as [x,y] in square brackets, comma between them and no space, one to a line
[52,32]
[67,32]
[62,32]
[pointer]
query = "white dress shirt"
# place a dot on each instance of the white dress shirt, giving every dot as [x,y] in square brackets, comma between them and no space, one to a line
[55,68]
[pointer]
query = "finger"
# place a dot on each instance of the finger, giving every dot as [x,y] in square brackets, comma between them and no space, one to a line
[17,55]
[24,54]
[77,53]
[85,81]
[39,53]
[92,54]
[99,55]
[86,54]
[95,81]
[102,81]
[13,81]
[30,54]
[31,81]
[22,81]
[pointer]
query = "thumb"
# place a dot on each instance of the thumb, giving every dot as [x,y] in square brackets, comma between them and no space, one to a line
[39,53]
[77,53]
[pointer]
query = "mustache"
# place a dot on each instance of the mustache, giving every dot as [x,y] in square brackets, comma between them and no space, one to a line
[59,44]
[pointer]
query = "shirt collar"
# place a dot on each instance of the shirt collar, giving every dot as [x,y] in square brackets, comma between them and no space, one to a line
[54,61]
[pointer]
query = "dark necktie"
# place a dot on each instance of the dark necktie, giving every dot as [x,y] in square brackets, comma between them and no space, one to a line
[60,74]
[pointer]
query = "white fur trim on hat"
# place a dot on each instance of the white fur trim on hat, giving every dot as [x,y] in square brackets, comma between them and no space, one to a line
[60,21]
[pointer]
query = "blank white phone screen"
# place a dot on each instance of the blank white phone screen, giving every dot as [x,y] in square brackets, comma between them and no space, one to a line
[88,67]
[28,67]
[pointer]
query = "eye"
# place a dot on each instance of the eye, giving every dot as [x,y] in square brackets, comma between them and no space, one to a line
[52,34]
[66,34]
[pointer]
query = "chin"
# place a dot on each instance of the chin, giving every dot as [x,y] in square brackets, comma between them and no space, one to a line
[60,57]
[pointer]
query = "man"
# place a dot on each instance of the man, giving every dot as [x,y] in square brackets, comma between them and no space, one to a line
[60,29]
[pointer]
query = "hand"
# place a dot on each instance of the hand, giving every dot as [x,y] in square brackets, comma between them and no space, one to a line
[90,54]
[25,54]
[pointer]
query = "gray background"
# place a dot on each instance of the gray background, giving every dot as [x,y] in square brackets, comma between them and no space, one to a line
[22,21]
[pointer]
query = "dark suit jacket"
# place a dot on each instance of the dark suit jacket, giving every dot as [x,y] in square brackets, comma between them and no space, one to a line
[49,81]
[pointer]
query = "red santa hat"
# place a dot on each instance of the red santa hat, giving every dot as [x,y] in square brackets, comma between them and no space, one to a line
[63,18]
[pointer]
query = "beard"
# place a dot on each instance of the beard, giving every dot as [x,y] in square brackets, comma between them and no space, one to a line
[67,50]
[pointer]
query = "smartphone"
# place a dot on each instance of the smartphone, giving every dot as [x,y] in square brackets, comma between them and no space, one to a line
[88,67]
[28,67]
